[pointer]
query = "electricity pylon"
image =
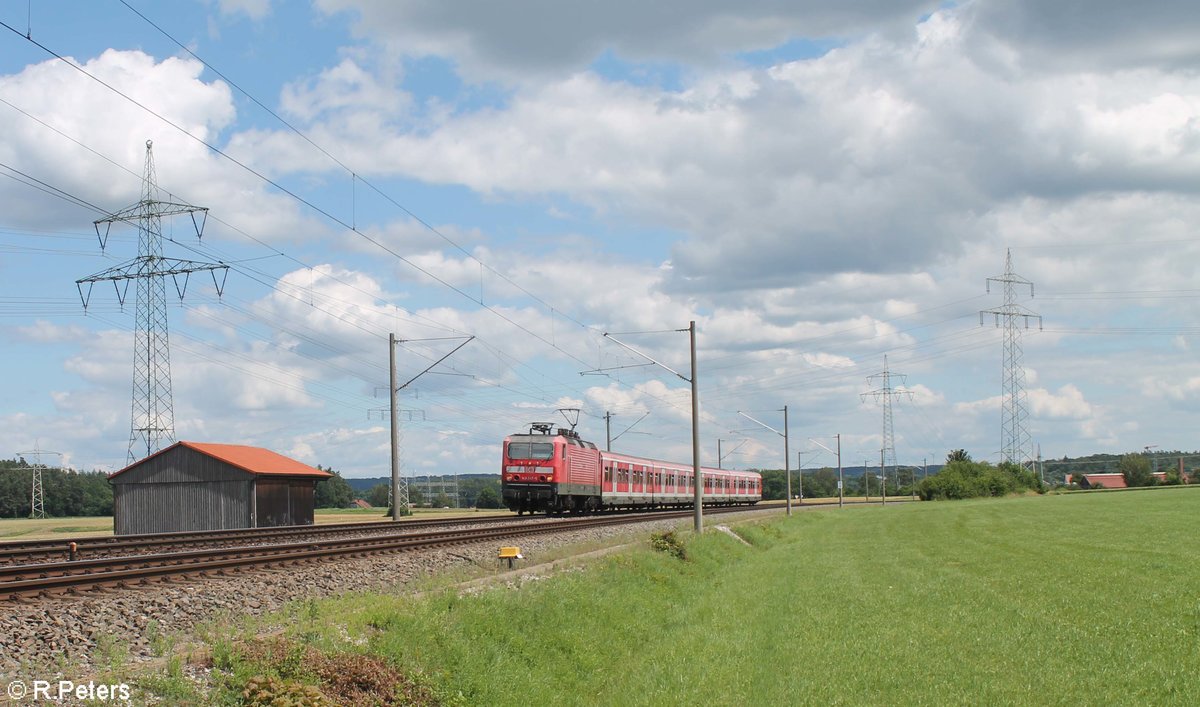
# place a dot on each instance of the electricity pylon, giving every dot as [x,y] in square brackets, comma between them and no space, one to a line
[37,498]
[1014,435]
[883,395]
[152,424]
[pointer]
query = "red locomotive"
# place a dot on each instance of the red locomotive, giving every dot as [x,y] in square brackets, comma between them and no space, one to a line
[556,471]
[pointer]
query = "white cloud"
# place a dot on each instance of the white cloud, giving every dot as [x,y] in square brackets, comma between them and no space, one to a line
[118,129]
[879,156]
[1068,402]
[537,39]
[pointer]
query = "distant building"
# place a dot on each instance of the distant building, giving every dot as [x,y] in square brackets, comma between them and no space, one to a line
[359,503]
[200,486]
[1108,481]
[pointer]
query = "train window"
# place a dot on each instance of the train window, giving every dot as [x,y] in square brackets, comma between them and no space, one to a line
[531,450]
[608,474]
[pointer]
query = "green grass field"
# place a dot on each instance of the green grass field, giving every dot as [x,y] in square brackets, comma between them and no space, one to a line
[1069,599]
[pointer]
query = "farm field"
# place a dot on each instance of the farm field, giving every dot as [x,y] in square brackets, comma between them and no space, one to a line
[1061,599]
[49,528]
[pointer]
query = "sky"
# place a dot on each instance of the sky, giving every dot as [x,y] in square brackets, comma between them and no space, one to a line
[819,186]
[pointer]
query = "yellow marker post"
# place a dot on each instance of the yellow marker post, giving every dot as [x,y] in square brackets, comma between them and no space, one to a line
[511,553]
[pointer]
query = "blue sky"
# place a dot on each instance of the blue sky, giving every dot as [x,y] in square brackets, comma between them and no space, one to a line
[817,185]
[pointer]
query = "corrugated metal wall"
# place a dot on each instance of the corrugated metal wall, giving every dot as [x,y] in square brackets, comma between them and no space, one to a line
[303,501]
[284,502]
[182,490]
[177,506]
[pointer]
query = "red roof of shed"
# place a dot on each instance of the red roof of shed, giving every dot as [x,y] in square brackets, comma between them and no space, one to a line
[1115,480]
[255,460]
[1109,481]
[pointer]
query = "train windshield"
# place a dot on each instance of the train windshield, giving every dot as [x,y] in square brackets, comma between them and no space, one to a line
[530,450]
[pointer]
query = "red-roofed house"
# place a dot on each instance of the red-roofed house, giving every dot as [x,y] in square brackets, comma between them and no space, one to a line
[1110,481]
[202,486]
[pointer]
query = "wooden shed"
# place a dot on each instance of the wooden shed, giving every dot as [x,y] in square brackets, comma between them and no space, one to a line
[202,486]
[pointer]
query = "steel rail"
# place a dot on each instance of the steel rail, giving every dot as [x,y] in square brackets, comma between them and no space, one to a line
[35,549]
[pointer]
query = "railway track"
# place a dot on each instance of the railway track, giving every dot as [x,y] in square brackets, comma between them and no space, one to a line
[92,547]
[48,579]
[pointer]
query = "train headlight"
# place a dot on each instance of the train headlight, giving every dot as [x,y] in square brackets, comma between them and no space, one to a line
[545,478]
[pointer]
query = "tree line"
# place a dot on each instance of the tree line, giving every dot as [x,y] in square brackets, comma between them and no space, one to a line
[823,482]
[1056,471]
[70,493]
[473,492]
[963,477]
[65,492]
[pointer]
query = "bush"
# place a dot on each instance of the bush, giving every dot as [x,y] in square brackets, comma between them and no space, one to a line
[488,498]
[964,478]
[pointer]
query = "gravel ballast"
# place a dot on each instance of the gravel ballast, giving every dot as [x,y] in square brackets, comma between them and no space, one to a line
[71,637]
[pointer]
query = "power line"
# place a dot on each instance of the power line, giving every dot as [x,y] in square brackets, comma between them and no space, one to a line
[355,177]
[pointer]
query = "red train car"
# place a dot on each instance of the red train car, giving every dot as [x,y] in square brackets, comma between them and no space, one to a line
[554,471]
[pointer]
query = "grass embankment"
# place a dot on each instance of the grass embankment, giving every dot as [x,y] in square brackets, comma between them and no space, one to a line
[1057,599]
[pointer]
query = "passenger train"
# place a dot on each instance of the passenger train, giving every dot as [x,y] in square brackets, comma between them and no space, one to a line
[554,471]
